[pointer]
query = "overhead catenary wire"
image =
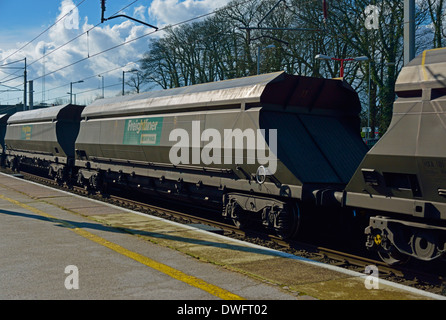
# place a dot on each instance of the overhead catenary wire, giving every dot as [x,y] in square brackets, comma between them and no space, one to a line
[87,31]
[83,79]
[116,46]
[125,42]
[40,34]
[80,35]
[66,43]
[128,41]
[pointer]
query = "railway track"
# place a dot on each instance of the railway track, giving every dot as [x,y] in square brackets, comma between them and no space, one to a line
[432,280]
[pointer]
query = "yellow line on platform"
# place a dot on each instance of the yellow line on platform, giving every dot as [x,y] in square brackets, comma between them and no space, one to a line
[172,272]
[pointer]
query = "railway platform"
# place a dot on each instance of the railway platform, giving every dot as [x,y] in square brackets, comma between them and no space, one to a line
[57,245]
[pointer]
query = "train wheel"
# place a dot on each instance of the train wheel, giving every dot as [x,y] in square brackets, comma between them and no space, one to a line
[288,221]
[241,222]
[60,177]
[236,214]
[424,245]
[393,257]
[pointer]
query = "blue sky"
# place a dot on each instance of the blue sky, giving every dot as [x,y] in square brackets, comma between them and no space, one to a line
[22,21]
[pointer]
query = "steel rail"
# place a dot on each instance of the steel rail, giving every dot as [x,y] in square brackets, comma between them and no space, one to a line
[435,283]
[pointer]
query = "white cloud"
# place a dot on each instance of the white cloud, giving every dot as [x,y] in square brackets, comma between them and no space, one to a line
[70,13]
[91,46]
[165,12]
[139,12]
[99,39]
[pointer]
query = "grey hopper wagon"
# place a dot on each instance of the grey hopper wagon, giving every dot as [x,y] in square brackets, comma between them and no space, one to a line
[213,143]
[3,123]
[403,177]
[43,139]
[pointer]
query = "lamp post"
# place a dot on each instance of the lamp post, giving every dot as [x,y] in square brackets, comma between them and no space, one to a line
[259,49]
[123,73]
[71,90]
[74,96]
[342,60]
[5,65]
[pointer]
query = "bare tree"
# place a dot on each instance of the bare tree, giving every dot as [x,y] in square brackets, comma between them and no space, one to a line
[436,10]
[225,46]
[137,80]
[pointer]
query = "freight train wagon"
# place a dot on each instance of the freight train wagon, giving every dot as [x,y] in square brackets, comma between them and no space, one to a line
[256,147]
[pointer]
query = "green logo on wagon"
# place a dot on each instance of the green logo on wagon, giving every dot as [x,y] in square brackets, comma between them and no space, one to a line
[143,131]
[26,132]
